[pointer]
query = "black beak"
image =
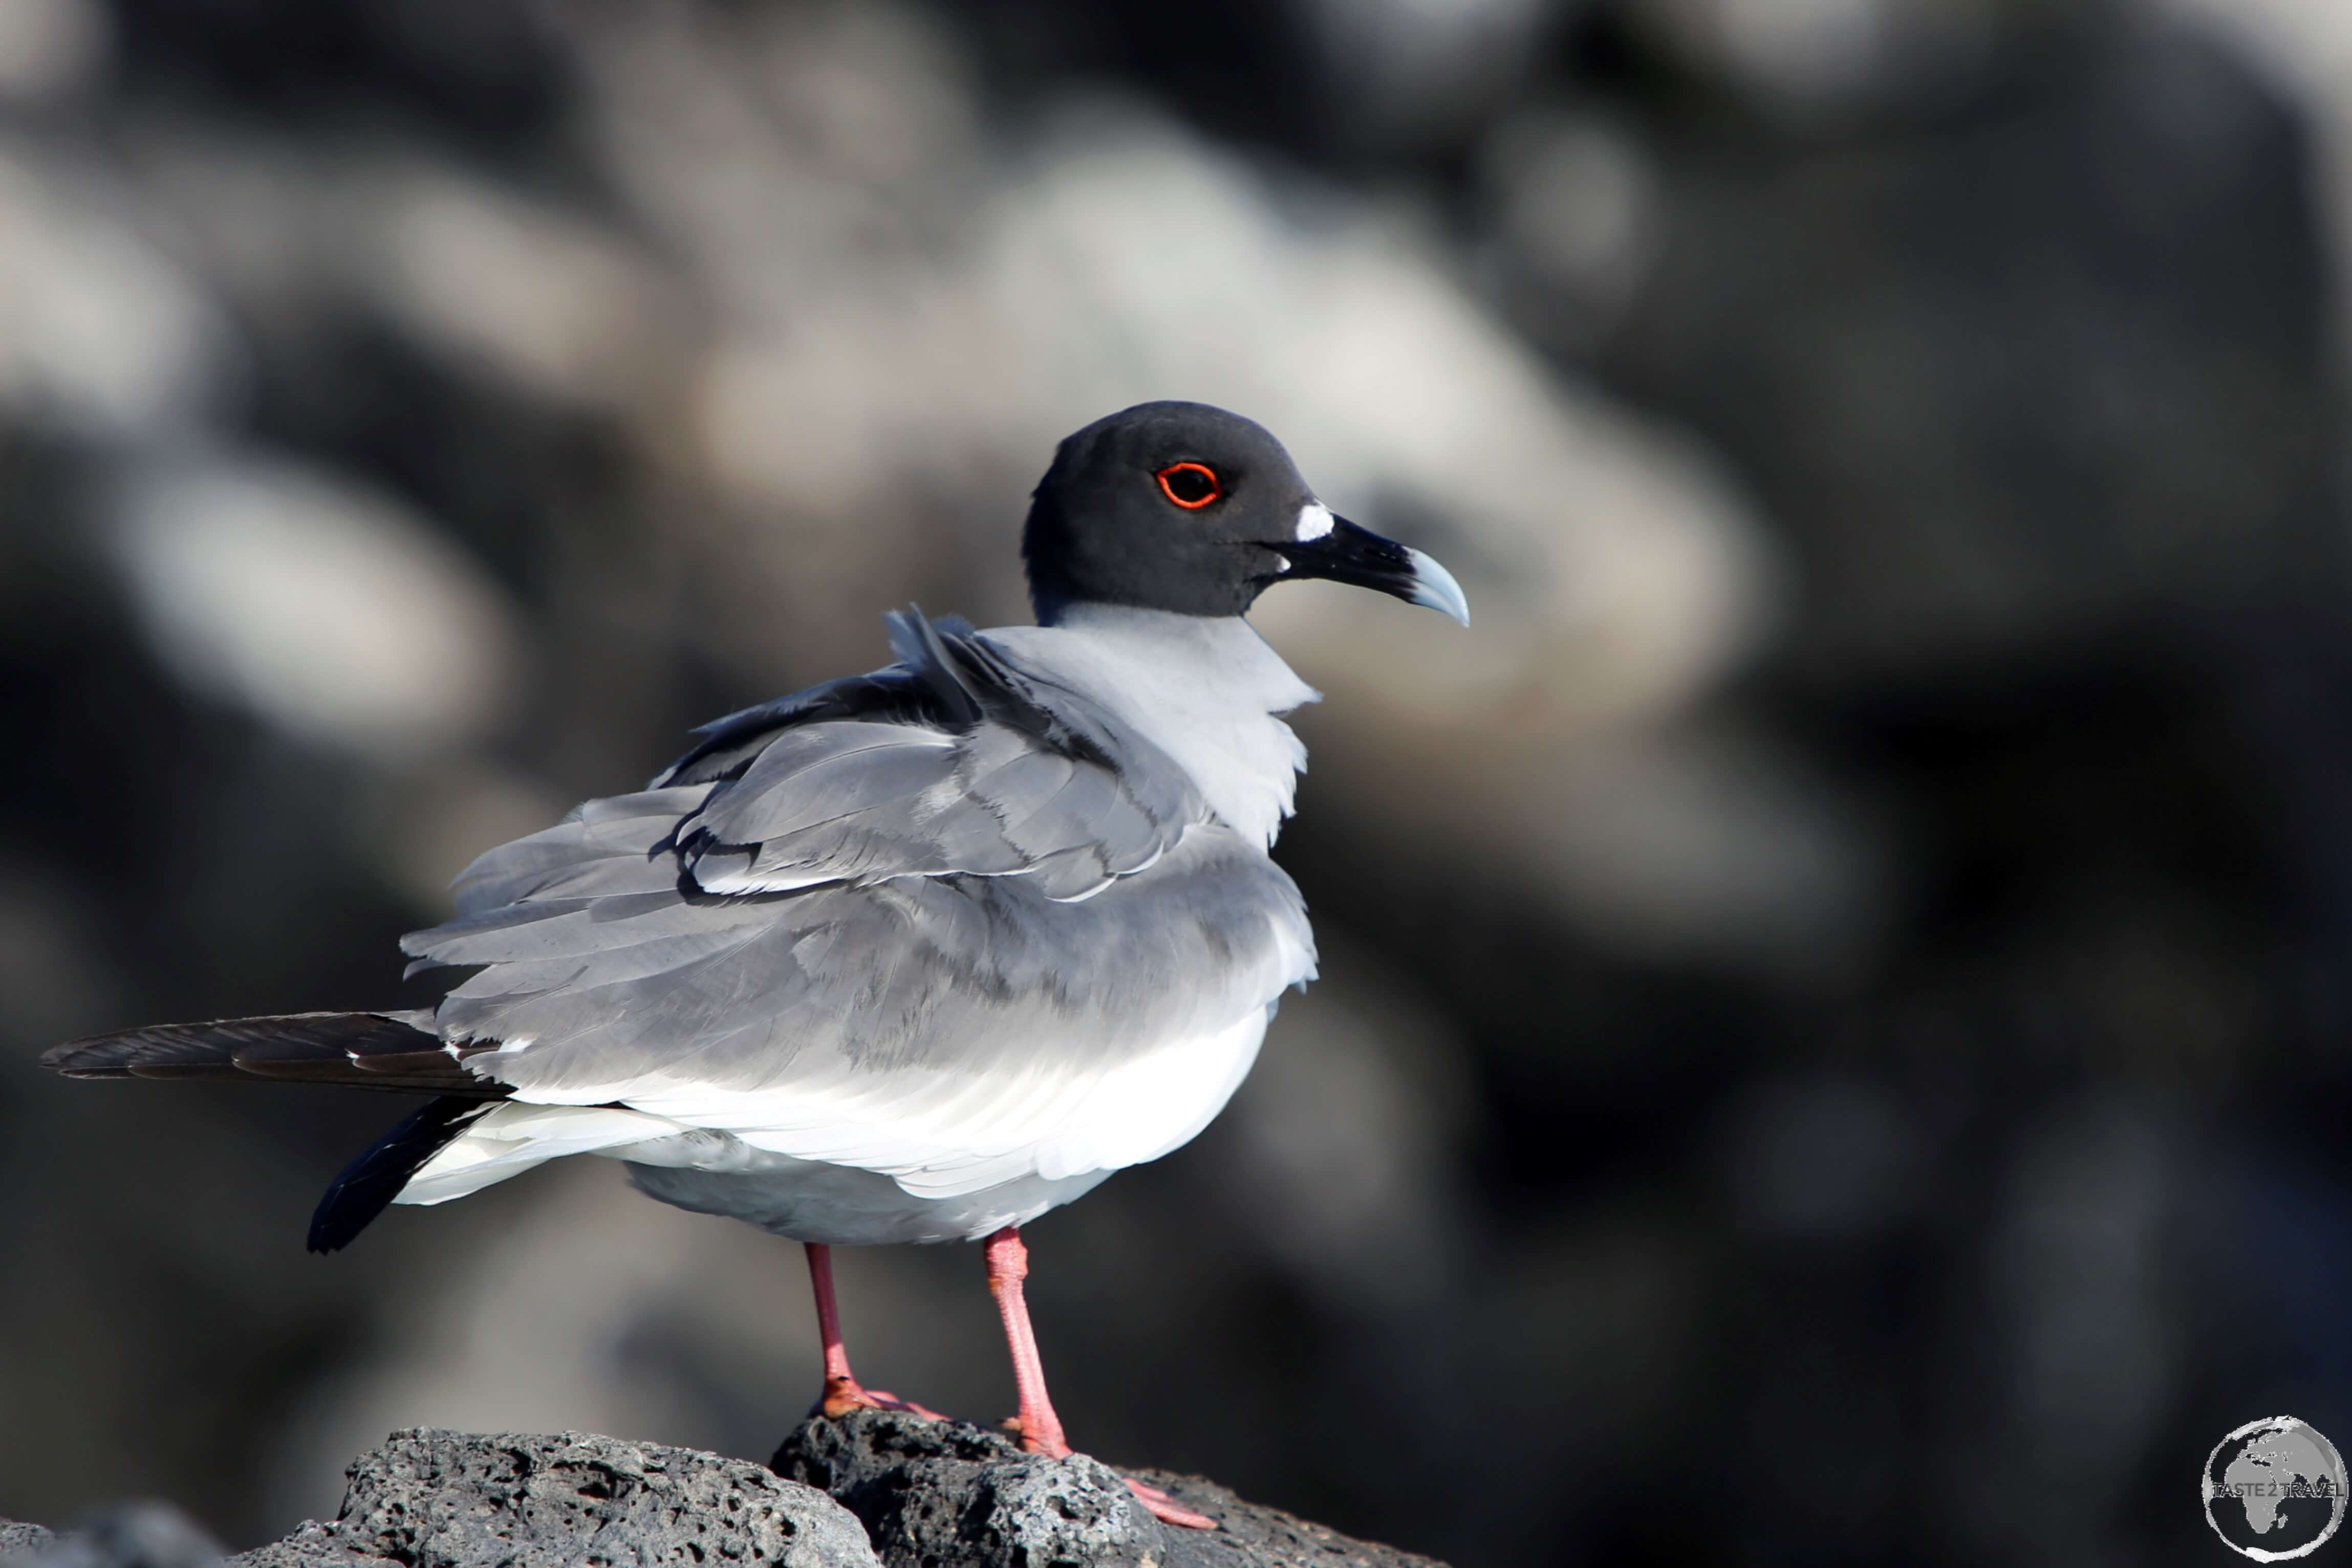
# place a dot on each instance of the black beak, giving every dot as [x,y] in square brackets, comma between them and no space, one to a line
[1358,556]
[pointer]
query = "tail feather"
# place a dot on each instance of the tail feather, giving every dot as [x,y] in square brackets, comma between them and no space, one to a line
[392,1050]
[370,1183]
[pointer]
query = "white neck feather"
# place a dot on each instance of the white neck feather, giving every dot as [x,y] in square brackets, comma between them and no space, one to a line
[1204,690]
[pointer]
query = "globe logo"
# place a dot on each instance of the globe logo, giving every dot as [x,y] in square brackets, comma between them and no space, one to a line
[2274,1489]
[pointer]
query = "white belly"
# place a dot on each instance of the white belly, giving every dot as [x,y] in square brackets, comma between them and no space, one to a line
[971,1180]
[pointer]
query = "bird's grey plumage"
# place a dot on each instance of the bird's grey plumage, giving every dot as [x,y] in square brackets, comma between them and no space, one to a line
[894,890]
[954,893]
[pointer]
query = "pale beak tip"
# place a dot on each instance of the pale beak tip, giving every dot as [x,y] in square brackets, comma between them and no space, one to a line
[1435,588]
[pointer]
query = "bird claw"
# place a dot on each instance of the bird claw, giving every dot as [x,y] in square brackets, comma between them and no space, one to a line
[1053,1448]
[1166,1508]
[842,1396]
[1163,1508]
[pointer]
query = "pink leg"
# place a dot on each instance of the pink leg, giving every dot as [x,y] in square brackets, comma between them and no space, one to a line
[843,1392]
[1008,1265]
[1041,1429]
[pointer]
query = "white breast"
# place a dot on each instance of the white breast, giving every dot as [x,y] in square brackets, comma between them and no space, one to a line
[1204,690]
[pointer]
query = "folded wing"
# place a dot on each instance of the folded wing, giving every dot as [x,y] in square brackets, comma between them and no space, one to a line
[917,923]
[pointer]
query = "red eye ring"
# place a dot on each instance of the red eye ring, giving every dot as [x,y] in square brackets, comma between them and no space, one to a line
[1191,476]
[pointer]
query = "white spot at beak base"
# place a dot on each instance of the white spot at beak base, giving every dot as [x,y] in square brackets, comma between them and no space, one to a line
[1313,521]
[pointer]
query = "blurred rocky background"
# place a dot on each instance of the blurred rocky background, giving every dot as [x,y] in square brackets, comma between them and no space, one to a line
[1834,1046]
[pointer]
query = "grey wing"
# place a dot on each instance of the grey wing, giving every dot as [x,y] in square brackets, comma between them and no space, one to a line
[995,775]
[992,777]
[861,803]
[875,924]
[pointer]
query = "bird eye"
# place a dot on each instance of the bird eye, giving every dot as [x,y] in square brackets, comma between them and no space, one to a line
[1190,486]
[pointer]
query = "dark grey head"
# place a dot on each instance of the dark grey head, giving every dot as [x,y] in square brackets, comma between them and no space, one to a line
[1182,506]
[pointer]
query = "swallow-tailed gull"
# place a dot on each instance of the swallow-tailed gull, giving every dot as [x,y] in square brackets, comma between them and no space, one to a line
[912,956]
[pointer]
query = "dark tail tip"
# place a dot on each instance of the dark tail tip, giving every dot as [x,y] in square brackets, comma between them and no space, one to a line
[371,1182]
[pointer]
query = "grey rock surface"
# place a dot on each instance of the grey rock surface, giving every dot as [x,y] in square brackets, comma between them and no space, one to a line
[129,1535]
[932,1493]
[450,1499]
[19,1540]
[904,1493]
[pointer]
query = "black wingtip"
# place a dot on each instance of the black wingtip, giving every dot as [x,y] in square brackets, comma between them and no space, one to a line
[392,1050]
[98,1056]
[370,1183]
